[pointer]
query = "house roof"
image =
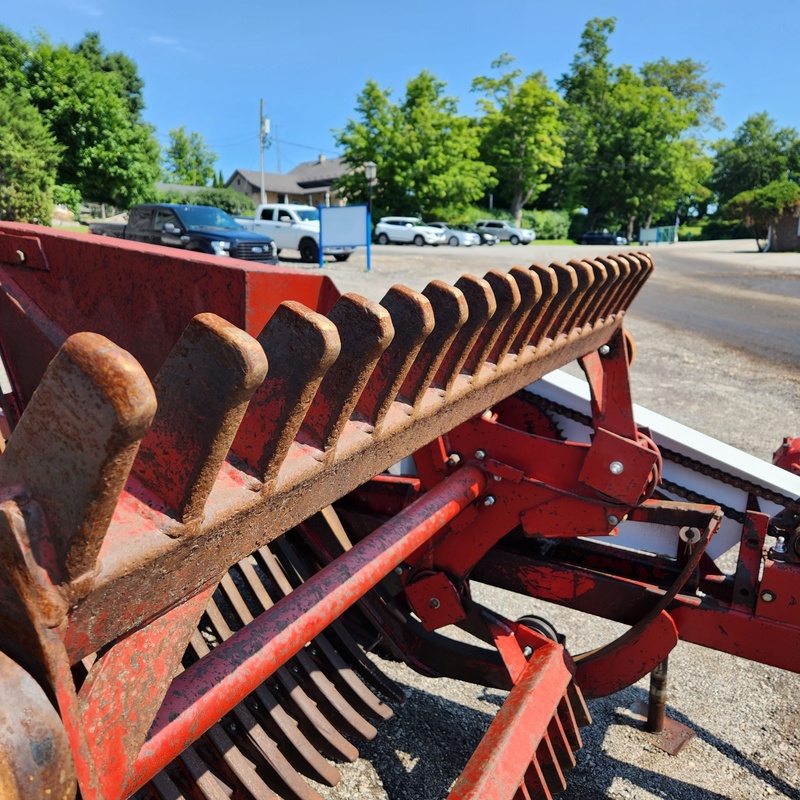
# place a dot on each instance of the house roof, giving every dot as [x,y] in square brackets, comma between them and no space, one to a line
[303,179]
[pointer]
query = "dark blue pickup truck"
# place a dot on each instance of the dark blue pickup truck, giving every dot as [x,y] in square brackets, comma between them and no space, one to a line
[204,229]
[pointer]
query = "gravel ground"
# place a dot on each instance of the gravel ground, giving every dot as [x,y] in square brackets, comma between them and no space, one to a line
[744,715]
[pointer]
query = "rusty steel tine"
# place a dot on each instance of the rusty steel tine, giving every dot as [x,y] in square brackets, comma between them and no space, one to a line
[522,793]
[482,306]
[536,783]
[590,313]
[203,390]
[323,685]
[263,743]
[625,269]
[359,693]
[450,312]
[639,273]
[615,275]
[74,446]
[365,330]
[570,724]
[522,321]
[412,318]
[317,727]
[300,346]
[561,747]
[574,312]
[548,762]
[507,299]
[578,705]
[205,780]
[647,269]
[558,284]
[164,788]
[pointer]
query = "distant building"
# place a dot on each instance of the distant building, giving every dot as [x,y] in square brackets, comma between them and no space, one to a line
[784,236]
[308,183]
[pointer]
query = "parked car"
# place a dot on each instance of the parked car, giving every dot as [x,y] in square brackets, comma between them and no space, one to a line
[204,229]
[485,236]
[407,230]
[455,236]
[601,237]
[506,231]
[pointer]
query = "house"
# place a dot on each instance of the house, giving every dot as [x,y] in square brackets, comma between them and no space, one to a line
[784,235]
[308,183]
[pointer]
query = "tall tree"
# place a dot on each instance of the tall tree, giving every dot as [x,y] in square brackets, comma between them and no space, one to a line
[762,208]
[427,155]
[187,159]
[521,132]
[759,153]
[28,159]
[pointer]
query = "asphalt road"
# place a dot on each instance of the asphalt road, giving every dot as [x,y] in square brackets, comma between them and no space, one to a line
[718,346]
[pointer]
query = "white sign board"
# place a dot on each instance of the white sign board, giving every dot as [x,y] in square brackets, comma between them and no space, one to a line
[343,226]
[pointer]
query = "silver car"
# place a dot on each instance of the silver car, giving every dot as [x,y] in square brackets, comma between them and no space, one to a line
[456,237]
[407,230]
[506,231]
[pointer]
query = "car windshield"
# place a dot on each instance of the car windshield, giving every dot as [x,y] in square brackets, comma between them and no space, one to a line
[199,217]
[307,214]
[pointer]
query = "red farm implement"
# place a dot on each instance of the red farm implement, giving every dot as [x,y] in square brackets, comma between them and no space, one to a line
[221,479]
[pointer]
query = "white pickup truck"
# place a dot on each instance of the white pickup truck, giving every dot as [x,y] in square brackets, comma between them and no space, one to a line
[292,227]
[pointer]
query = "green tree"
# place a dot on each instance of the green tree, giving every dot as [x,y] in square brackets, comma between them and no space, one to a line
[28,159]
[521,133]
[759,153]
[761,208]
[187,159]
[427,156]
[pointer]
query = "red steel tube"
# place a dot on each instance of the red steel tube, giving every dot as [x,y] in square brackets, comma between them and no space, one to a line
[211,687]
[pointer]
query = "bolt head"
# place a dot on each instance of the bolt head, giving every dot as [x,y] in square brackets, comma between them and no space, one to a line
[767,596]
[453,460]
[496,478]
[434,602]
[613,519]
[489,500]
[604,350]
[398,570]
[616,467]
[527,651]
[480,454]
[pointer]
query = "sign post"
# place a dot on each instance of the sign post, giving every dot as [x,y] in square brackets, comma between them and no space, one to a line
[344,226]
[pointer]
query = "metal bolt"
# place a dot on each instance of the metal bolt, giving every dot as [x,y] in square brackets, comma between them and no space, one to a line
[616,467]
[767,596]
[434,602]
[689,535]
[496,478]
[489,500]
[480,454]
[527,651]
[453,460]
[398,570]
[604,350]
[487,414]
[612,519]
[780,546]
[20,256]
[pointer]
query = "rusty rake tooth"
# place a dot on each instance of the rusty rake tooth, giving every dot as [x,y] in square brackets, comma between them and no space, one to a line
[581,297]
[548,762]
[203,390]
[558,284]
[450,312]
[315,678]
[536,783]
[200,774]
[589,314]
[365,330]
[640,271]
[523,319]
[164,787]
[412,318]
[301,346]
[569,723]
[613,277]
[267,748]
[613,303]
[578,705]
[561,746]
[314,725]
[74,446]
[482,306]
[507,299]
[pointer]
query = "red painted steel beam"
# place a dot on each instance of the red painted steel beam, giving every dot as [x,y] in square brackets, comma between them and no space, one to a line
[200,696]
[498,766]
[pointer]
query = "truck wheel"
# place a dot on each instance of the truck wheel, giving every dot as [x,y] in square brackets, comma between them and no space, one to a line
[342,256]
[309,251]
[419,241]
[383,239]
[514,240]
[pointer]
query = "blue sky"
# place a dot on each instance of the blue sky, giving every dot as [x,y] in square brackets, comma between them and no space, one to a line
[206,66]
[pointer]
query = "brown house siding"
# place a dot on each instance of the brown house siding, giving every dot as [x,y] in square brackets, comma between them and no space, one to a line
[785,234]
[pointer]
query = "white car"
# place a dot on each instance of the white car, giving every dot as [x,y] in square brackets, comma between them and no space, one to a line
[506,231]
[408,230]
[456,237]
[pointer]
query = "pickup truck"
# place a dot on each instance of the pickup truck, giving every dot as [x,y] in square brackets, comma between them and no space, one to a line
[293,227]
[204,229]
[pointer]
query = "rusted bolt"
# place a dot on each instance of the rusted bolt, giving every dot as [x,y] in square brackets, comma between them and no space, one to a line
[767,596]
[480,454]
[612,519]
[604,350]
[434,602]
[453,460]
[20,256]
[489,500]
[616,467]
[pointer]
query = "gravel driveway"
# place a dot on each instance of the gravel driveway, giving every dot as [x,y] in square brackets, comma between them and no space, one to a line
[745,715]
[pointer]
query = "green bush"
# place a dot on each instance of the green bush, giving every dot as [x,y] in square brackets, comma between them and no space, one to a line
[547,224]
[67,195]
[721,229]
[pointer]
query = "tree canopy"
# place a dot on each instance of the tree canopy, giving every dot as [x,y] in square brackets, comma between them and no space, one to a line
[187,159]
[761,208]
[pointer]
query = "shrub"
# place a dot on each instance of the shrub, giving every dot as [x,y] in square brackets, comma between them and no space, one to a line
[64,194]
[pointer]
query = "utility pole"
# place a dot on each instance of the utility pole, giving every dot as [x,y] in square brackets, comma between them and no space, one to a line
[263,136]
